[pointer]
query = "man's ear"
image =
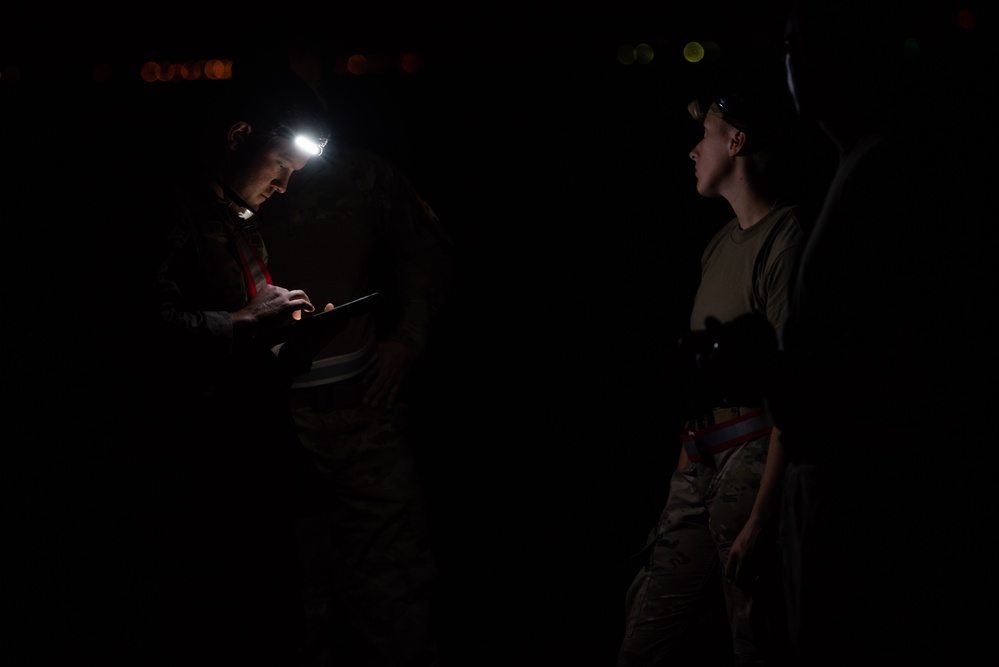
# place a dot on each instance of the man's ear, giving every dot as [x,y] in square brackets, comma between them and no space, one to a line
[238,134]
[737,144]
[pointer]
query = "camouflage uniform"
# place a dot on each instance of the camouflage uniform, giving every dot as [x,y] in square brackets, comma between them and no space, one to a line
[351,221]
[678,594]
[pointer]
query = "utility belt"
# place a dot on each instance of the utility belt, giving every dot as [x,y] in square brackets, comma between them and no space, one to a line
[342,394]
[723,428]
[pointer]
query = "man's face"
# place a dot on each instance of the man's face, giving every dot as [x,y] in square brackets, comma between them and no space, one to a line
[712,161]
[266,171]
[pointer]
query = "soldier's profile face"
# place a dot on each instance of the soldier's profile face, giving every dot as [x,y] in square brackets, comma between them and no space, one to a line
[267,171]
[711,157]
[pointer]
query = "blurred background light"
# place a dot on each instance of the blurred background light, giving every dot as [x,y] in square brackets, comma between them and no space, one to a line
[357,64]
[693,52]
[644,54]
[191,70]
[411,63]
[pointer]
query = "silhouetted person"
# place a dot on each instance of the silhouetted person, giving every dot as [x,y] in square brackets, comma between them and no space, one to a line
[888,527]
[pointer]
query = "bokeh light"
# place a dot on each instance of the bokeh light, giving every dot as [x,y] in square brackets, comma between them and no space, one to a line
[644,54]
[693,52]
[357,64]
[965,19]
[411,63]
[218,69]
[189,71]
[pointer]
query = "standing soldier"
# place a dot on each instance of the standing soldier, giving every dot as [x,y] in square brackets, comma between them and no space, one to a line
[712,555]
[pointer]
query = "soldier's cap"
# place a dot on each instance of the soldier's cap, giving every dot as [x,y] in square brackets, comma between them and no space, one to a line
[763,112]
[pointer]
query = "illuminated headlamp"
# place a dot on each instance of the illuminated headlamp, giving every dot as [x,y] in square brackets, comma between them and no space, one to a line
[307,144]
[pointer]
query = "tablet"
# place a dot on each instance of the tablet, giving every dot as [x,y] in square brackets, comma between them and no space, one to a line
[326,323]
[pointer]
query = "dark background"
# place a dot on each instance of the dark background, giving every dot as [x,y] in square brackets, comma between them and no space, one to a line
[544,417]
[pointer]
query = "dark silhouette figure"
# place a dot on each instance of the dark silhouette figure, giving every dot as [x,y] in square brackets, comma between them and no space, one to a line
[888,525]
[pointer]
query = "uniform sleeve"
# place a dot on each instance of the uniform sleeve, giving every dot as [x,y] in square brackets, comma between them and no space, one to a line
[779,274]
[182,328]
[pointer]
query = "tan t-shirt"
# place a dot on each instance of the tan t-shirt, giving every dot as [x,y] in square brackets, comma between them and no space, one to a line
[728,288]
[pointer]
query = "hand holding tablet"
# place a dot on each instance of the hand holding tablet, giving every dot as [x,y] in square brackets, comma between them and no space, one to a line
[322,326]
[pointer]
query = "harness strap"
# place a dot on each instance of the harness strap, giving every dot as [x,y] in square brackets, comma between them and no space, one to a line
[702,443]
[254,269]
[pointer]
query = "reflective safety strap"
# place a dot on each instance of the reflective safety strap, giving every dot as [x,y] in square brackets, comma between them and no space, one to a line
[254,269]
[726,434]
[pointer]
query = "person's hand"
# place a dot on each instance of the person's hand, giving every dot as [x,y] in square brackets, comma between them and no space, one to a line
[386,375]
[741,566]
[298,352]
[297,314]
[270,308]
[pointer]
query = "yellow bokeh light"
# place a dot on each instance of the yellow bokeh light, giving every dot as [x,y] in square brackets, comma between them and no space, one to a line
[626,54]
[693,52]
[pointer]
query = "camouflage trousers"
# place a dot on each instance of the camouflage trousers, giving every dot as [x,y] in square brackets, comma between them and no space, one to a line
[679,606]
[368,569]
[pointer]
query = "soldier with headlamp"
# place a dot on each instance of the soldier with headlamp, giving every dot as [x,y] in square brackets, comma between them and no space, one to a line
[228,459]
